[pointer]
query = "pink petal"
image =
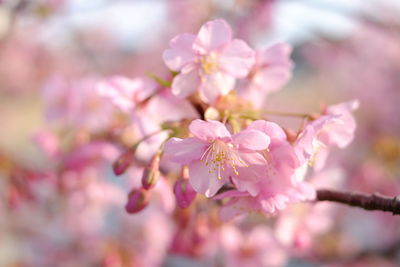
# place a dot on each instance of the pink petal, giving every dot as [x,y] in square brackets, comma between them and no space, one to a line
[209,130]
[273,130]
[341,134]
[252,93]
[171,108]
[284,157]
[184,151]
[276,55]
[214,85]
[237,58]
[119,91]
[268,206]
[247,177]
[251,139]
[253,159]
[180,53]
[271,79]
[212,35]
[247,186]
[280,201]
[203,181]
[186,83]
[125,93]
[234,208]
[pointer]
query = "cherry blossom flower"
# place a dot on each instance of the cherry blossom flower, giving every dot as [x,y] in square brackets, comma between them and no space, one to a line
[209,62]
[214,155]
[279,184]
[336,127]
[340,134]
[308,147]
[273,197]
[126,93]
[76,103]
[272,69]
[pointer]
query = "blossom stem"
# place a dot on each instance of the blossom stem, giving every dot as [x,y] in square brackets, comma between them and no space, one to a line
[159,80]
[365,201]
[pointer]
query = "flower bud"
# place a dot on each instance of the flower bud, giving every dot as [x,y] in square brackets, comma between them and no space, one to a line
[212,113]
[151,173]
[184,193]
[123,162]
[138,199]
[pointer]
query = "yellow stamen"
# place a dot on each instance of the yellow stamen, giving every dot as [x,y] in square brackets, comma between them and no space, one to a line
[209,63]
[220,155]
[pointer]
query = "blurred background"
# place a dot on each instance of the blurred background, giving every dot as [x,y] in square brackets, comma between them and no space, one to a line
[342,50]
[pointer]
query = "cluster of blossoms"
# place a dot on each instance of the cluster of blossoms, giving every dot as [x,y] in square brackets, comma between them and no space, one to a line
[204,154]
[207,116]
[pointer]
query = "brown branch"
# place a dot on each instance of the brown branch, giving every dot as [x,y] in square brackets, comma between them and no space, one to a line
[362,200]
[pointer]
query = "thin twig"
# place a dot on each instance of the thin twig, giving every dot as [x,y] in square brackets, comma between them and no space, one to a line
[373,201]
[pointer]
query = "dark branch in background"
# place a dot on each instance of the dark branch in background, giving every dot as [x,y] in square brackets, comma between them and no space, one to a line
[365,201]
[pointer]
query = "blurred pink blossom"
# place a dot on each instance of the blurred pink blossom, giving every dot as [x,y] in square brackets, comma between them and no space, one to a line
[272,69]
[126,93]
[257,247]
[76,103]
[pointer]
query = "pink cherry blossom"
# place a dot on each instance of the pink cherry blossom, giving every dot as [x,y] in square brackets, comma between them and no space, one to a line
[279,184]
[273,197]
[209,62]
[90,153]
[76,103]
[214,156]
[308,147]
[126,93]
[336,128]
[340,134]
[272,69]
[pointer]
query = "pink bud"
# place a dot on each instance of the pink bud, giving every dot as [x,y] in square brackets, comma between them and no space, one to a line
[184,193]
[123,162]
[150,178]
[151,173]
[138,199]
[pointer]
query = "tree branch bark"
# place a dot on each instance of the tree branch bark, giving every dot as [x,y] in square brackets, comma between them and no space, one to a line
[365,201]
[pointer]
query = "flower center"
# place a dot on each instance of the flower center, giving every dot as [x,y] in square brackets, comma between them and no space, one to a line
[317,146]
[209,63]
[220,155]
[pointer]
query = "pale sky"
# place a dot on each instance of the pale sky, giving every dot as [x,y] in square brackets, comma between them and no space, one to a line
[131,21]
